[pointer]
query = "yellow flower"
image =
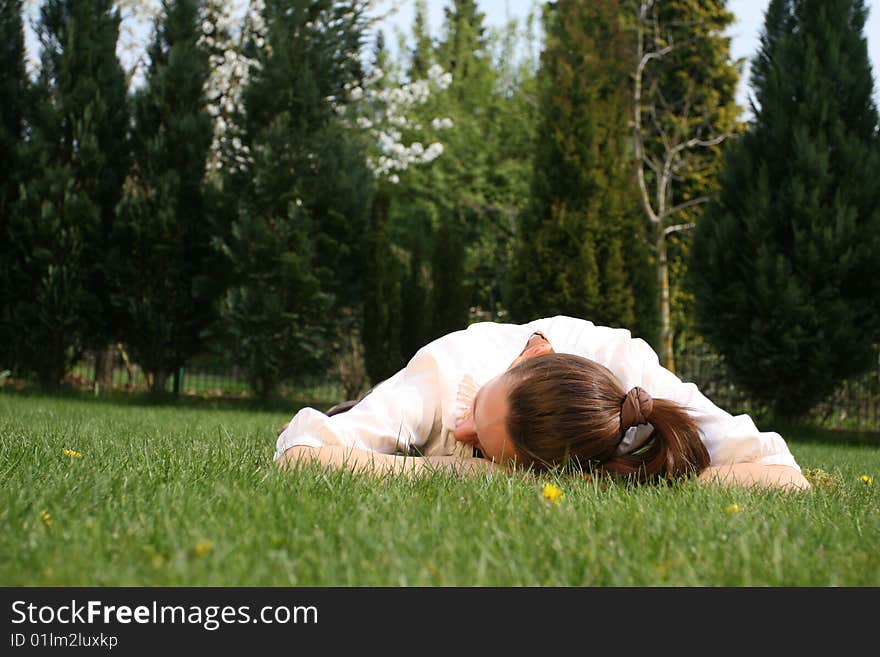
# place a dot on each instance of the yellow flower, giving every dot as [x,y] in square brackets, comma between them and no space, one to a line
[202,548]
[72,454]
[47,518]
[732,508]
[552,493]
[867,480]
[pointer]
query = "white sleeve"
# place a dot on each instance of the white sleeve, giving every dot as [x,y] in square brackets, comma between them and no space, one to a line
[728,439]
[398,413]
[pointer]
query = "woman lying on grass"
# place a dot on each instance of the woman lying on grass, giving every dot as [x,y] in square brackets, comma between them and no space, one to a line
[577,394]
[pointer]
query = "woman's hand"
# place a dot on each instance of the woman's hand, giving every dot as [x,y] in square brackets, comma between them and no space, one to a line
[756,475]
[360,460]
[281,430]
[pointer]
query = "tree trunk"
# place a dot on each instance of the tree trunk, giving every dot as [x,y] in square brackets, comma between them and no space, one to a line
[159,382]
[104,367]
[666,356]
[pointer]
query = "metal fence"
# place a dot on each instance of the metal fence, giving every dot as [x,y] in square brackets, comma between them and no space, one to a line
[203,379]
[854,405]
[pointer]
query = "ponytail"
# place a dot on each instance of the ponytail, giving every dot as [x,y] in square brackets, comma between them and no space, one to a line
[565,408]
[673,449]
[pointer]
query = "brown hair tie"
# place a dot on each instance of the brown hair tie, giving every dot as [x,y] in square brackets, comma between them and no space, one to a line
[636,408]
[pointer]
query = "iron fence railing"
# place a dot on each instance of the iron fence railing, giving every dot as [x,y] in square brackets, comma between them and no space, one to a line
[854,405]
[205,380]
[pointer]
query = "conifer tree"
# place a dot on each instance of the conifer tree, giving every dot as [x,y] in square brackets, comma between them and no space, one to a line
[416,312]
[463,53]
[382,301]
[423,51]
[785,260]
[395,297]
[582,199]
[480,182]
[296,248]
[77,158]
[14,91]
[450,299]
[162,265]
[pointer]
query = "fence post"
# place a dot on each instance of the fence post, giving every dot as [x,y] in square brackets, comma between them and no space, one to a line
[178,382]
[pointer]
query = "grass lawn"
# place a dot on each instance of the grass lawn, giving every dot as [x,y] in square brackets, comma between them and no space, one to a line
[188,496]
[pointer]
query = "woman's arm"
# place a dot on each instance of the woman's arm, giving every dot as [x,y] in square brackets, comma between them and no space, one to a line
[361,460]
[398,414]
[756,475]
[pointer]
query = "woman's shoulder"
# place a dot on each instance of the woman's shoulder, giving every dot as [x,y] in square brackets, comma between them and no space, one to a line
[481,346]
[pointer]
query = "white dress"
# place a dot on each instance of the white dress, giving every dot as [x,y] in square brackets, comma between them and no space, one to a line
[416,409]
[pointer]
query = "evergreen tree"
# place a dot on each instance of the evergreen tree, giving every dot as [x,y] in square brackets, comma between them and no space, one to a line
[381,317]
[14,91]
[462,51]
[618,299]
[582,205]
[394,299]
[469,100]
[162,265]
[77,157]
[423,52]
[476,187]
[785,259]
[449,295]
[296,247]
[416,312]
[382,301]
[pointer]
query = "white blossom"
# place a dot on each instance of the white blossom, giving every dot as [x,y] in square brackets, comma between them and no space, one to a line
[384,113]
[226,26]
[434,151]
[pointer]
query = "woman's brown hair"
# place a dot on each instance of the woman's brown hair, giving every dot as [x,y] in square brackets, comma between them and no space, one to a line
[566,410]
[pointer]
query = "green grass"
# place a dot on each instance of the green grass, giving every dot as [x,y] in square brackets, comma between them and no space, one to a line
[188,496]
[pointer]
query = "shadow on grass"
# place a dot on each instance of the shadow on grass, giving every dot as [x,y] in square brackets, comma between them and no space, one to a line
[145,399]
[810,433]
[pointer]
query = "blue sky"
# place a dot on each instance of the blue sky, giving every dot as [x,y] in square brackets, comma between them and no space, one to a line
[744,33]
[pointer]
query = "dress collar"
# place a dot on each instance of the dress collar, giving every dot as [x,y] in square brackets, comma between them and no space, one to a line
[464,399]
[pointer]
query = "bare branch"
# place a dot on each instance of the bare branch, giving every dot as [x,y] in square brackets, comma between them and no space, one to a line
[651,163]
[648,56]
[700,143]
[638,137]
[687,204]
[673,229]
